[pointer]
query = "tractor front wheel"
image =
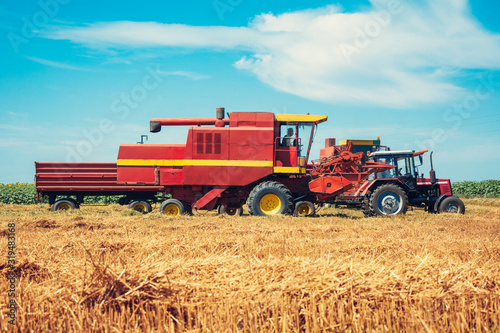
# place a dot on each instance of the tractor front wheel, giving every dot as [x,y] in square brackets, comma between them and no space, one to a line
[270,198]
[452,205]
[388,199]
[172,207]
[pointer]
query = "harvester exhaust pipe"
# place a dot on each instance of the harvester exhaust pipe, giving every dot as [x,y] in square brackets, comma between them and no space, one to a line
[219,113]
[432,172]
[156,124]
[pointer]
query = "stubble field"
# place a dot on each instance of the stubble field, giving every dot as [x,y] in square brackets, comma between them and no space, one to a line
[109,269]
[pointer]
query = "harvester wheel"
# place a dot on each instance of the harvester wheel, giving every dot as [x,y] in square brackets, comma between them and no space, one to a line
[388,199]
[304,208]
[452,205]
[141,206]
[64,204]
[172,207]
[230,211]
[270,198]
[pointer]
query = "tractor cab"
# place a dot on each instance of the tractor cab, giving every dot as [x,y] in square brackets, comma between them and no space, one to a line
[404,166]
[294,135]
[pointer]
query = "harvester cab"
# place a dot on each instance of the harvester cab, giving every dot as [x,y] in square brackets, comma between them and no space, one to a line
[294,135]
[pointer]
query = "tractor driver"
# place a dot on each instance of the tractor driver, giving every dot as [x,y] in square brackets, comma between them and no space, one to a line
[287,140]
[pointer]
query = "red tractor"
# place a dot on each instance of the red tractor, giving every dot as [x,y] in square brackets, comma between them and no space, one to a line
[392,191]
[256,158]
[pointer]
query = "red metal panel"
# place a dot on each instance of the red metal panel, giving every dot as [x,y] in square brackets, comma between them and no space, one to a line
[444,186]
[254,144]
[115,189]
[243,176]
[234,176]
[253,119]
[136,174]
[239,119]
[252,135]
[171,176]
[151,152]
[188,154]
[264,119]
[82,177]
[211,143]
[286,156]
[205,175]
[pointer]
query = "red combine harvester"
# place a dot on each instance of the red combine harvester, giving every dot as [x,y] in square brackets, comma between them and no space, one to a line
[256,158]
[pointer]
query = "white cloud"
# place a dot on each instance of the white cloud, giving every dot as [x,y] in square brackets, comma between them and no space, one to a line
[397,54]
[56,64]
[189,75]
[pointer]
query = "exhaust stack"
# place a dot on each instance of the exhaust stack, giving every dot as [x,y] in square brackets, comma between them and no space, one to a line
[156,124]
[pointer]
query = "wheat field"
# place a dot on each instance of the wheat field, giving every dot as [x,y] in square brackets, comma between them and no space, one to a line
[109,269]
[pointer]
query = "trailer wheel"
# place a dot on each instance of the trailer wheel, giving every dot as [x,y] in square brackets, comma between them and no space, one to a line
[388,199]
[304,208]
[452,205]
[230,211]
[140,206]
[64,204]
[270,198]
[172,207]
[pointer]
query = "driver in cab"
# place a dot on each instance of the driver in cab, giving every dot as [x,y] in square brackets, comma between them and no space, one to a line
[288,140]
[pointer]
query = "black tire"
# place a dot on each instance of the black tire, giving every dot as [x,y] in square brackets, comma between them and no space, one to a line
[388,199]
[270,198]
[230,211]
[172,207]
[141,206]
[366,205]
[64,204]
[452,205]
[304,208]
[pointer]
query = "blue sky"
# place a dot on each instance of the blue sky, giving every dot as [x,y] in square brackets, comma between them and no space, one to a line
[80,77]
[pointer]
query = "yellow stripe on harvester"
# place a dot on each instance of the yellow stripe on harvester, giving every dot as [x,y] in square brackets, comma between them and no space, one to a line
[226,163]
[289,170]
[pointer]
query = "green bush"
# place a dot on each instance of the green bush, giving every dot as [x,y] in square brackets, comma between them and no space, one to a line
[485,188]
[25,194]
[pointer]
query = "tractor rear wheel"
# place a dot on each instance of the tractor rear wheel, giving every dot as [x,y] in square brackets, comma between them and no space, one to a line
[270,198]
[388,199]
[64,204]
[304,208]
[172,207]
[230,211]
[452,205]
[141,206]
